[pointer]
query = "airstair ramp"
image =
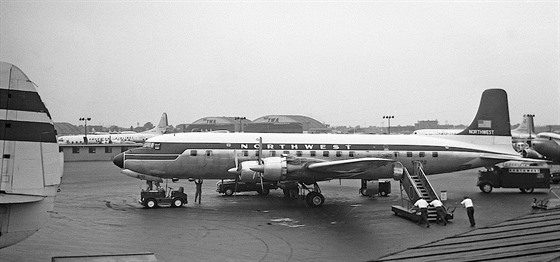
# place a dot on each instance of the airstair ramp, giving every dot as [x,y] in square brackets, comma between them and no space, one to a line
[416,186]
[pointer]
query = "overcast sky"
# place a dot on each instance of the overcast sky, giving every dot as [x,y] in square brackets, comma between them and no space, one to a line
[340,62]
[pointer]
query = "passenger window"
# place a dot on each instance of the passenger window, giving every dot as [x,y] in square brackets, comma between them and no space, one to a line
[326,153]
[408,154]
[245,153]
[338,153]
[312,153]
[286,152]
[208,152]
[422,154]
[351,154]
[299,153]
[194,152]
[434,154]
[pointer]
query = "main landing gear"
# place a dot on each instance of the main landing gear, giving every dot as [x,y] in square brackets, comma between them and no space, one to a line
[313,198]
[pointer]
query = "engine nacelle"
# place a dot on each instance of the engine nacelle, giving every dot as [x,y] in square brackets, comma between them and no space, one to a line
[530,153]
[275,168]
[247,174]
[272,168]
[398,171]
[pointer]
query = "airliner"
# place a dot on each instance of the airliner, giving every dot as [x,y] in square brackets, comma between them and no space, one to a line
[305,159]
[125,137]
[546,145]
[31,164]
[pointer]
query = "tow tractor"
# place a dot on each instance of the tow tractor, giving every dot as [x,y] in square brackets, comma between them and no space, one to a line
[158,197]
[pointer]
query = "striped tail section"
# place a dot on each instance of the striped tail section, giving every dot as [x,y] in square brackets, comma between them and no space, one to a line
[31,165]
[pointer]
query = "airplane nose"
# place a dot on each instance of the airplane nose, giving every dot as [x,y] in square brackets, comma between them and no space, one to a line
[118,160]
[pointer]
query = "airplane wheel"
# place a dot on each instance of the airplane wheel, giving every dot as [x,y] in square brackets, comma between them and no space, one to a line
[315,199]
[151,203]
[527,190]
[229,192]
[363,191]
[177,202]
[486,188]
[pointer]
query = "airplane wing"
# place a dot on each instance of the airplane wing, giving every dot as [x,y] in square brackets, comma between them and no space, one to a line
[349,166]
[511,158]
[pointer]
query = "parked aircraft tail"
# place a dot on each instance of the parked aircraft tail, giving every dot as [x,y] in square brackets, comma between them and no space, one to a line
[527,126]
[491,125]
[161,127]
[31,163]
[492,117]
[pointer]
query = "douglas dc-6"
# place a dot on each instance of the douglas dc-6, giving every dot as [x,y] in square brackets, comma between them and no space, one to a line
[305,159]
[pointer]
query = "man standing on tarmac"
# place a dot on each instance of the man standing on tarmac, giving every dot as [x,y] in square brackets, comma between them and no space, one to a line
[423,206]
[198,194]
[440,212]
[468,204]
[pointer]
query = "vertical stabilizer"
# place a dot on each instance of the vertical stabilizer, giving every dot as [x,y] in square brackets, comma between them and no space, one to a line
[492,118]
[161,128]
[31,163]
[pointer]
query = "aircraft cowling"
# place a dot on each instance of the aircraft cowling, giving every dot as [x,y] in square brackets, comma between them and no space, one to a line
[275,168]
[271,169]
[530,153]
[398,171]
[246,174]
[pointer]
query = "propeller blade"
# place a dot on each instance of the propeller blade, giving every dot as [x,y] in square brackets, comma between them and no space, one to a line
[260,151]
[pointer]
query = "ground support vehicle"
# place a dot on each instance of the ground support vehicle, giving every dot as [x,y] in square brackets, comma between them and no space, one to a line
[155,198]
[229,187]
[524,177]
[375,187]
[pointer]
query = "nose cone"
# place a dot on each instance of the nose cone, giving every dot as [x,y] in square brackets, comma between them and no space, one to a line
[118,160]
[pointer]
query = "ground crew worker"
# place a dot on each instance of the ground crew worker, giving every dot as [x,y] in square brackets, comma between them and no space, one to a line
[198,194]
[440,211]
[468,204]
[423,206]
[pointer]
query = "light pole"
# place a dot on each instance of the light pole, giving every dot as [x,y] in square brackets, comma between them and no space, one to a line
[388,119]
[529,124]
[240,118]
[85,119]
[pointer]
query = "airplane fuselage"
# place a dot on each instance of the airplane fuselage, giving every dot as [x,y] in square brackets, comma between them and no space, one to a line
[211,155]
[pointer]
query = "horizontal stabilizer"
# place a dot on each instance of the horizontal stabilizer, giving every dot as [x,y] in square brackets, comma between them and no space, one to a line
[19,198]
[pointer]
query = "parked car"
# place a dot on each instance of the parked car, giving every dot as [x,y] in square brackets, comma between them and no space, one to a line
[228,187]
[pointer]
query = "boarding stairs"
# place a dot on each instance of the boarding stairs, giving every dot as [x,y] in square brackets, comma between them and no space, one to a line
[416,186]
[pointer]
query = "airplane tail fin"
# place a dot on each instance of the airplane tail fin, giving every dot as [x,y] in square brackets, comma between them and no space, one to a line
[526,126]
[492,118]
[491,126]
[163,121]
[161,127]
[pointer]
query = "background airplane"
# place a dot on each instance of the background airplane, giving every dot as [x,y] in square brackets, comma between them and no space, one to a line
[125,137]
[305,159]
[31,166]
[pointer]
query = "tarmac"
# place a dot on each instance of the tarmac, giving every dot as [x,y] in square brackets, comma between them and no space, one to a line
[96,213]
